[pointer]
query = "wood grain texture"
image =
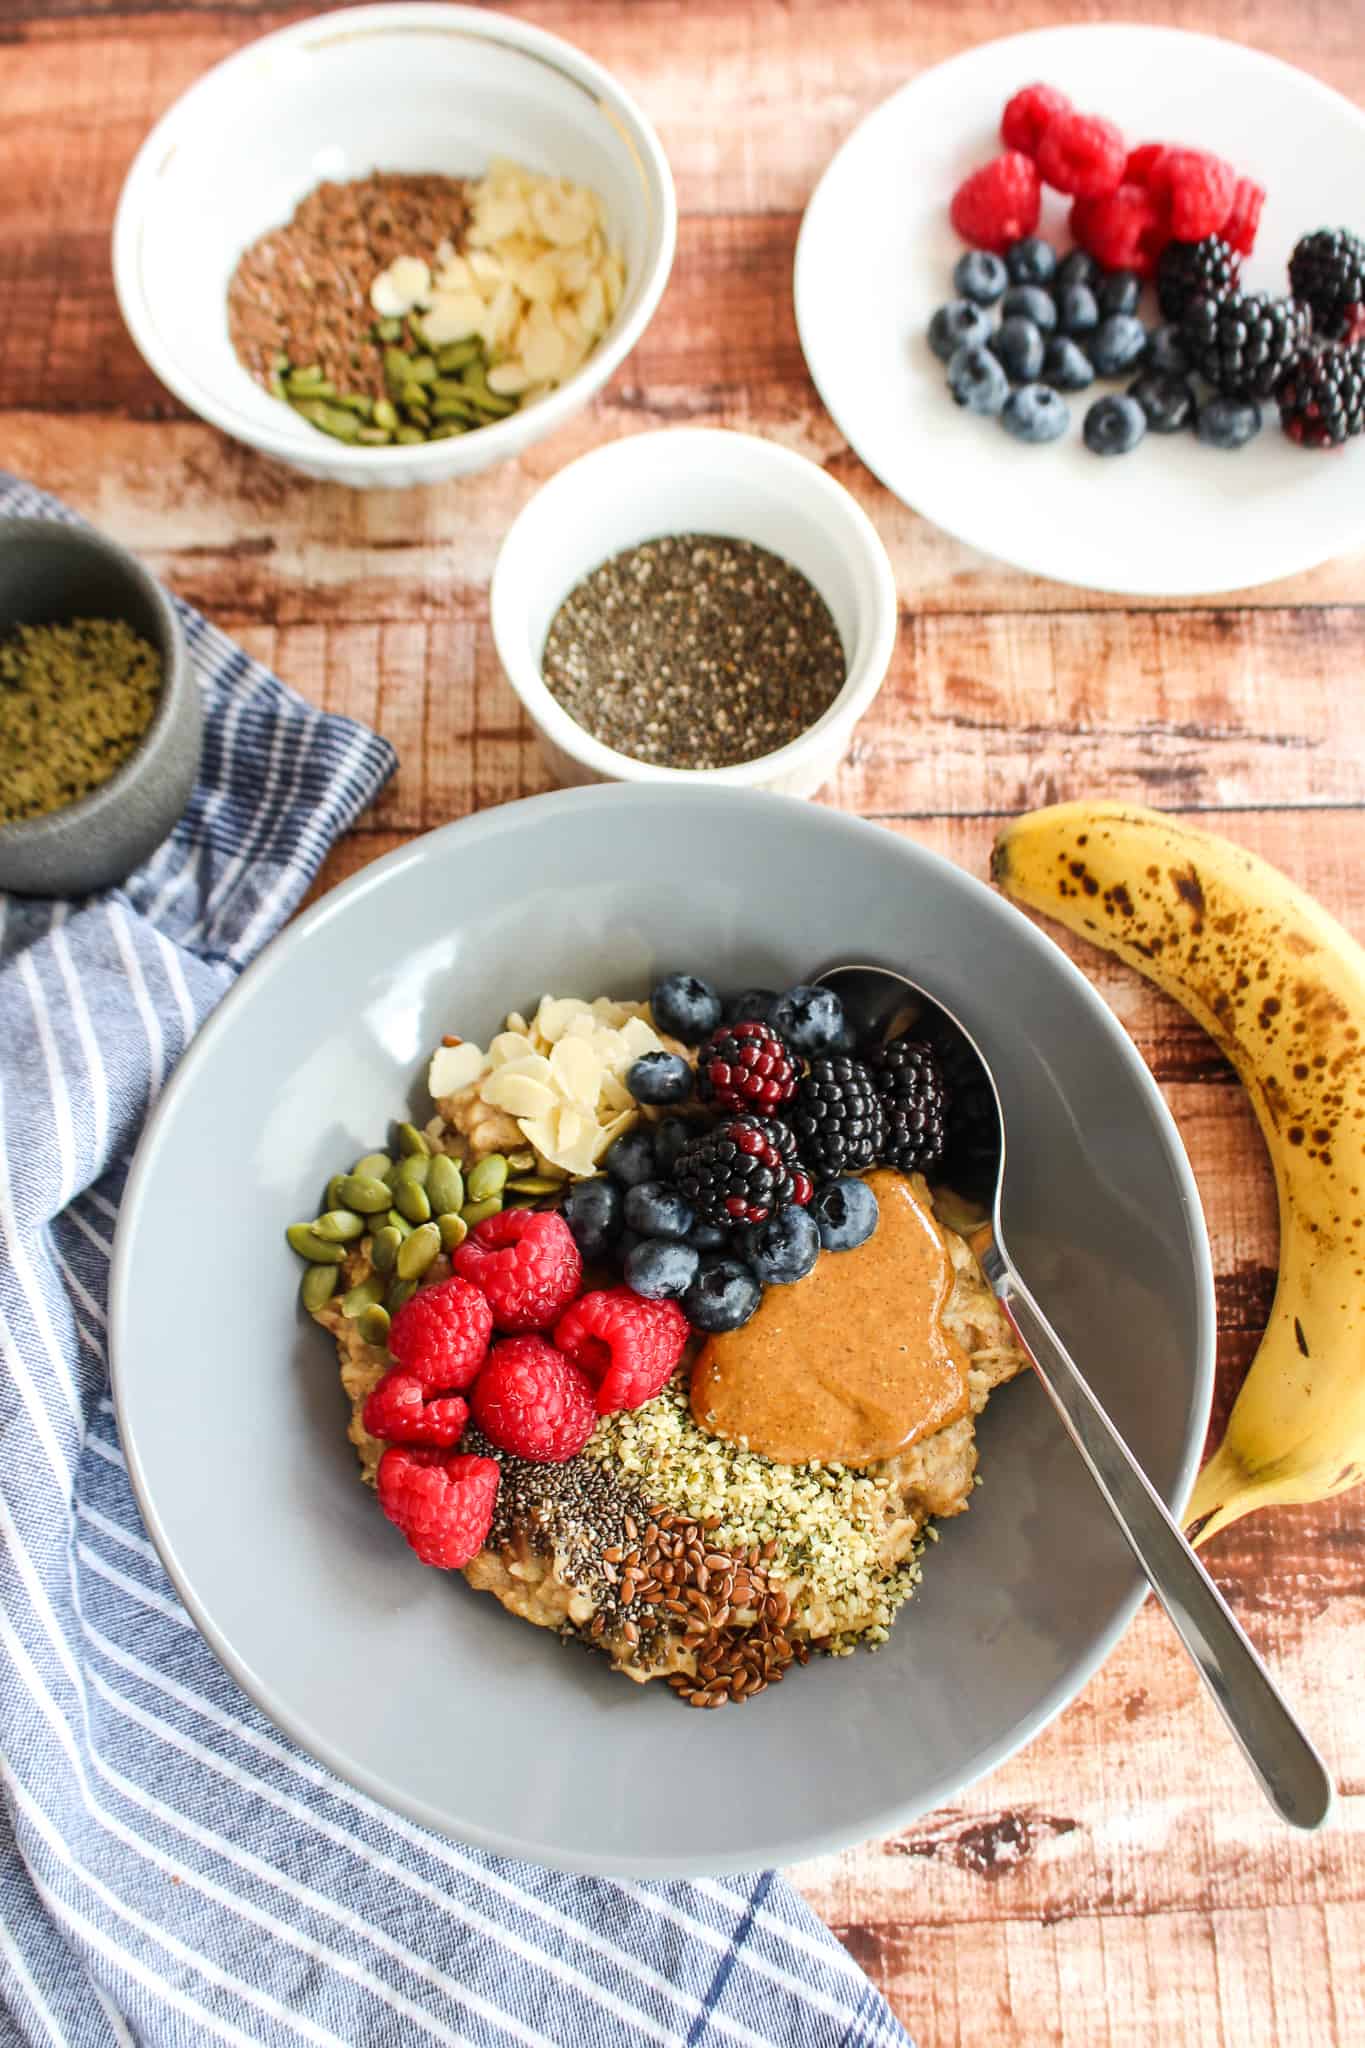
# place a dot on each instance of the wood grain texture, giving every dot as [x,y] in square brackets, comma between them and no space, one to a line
[1119,1883]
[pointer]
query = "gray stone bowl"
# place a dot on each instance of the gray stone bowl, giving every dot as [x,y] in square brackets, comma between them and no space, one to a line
[50,573]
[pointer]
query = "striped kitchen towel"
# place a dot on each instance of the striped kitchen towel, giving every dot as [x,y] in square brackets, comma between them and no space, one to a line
[174,1871]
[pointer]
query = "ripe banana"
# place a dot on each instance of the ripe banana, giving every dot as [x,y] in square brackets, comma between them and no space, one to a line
[1280,986]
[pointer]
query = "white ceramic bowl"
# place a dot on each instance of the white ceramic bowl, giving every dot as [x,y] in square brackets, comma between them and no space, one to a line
[694,480]
[412,87]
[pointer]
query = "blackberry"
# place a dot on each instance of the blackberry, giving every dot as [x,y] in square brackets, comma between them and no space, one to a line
[909,1079]
[838,1117]
[1322,397]
[747,1066]
[1327,271]
[742,1170]
[971,1154]
[1190,270]
[1244,344]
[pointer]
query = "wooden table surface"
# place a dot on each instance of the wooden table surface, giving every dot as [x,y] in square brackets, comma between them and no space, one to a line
[1120,1883]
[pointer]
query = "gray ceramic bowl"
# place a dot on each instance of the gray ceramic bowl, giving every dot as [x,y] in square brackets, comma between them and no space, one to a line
[50,573]
[396,1676]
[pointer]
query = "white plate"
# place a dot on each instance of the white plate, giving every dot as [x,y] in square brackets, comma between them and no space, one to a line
[875,257]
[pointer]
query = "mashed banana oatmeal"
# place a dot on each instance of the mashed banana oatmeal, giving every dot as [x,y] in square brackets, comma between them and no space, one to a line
[664,1329]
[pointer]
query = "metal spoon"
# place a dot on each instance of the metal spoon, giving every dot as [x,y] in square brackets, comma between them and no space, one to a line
[1291,1773]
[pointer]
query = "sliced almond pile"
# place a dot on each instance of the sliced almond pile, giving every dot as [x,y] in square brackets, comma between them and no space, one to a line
[538,281]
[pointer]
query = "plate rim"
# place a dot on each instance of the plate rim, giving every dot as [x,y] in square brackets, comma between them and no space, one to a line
[1313,556]
[784,1849]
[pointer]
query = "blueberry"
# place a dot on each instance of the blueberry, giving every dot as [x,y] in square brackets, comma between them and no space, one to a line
[1035,413]
[1120,292]
[656,1209]
[685,1006]
[708,1237]
[811,1020]
[669,1138]
[980,277]
[957,322]
[751,1003]
[1018,346]
[1166,351]
[1112,427]
[1167,402]
[976,379]
[1079,267]
[1077,309]
[1227,423]
[723,1297]
[659,1077]
[1032,261]
[631,1158]
[1116,344]
[1066,367]
[592,1210]
[625,1245]
[846,1214]
[784,1248]
[660,1269]
[1030,302]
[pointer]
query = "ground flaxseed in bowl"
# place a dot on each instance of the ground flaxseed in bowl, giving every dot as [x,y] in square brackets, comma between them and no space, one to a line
[694,651]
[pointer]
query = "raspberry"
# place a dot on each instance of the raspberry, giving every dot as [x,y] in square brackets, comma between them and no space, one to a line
[628,1345]
[399,1412]
[531,1401]
[441,1335]
[1027,115]
[1121,229]
[1199,189]
[443,1503]
[1082,154]
[1138,169]
[526,1262]
[747,1066]
[998,204]
[1244,216]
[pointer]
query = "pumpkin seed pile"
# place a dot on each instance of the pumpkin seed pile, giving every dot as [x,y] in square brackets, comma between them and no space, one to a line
[431,394]
[412,1204]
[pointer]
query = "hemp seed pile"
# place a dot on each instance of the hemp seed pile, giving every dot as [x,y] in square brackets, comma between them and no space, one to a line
[75,703]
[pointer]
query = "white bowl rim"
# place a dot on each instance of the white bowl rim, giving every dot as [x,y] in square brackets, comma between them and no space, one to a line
[505,817]
[289,442]
[858,537]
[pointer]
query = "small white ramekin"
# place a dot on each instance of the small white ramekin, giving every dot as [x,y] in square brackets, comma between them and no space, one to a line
[694,480]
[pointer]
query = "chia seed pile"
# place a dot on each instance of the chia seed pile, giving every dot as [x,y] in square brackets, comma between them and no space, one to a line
[694,651]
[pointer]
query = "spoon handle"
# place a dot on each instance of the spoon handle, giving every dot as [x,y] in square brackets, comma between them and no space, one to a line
[1292,1774]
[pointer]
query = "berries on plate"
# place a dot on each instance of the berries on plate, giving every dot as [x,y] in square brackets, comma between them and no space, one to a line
[1322,399]
[659,1078]
[685,1006]
[533,1401]
[1018,347]
[1244,216]
[1167,402]
[1244,344]
[1327,274]
[1028,114]
[526,1263]
[1078,310]
[1078,266]
[1031,261]
[741,1169]
[661,1268]
[1066,366]
[657,1209]
[1199,189]
[838,1116]
[440,1337]
[1119,293]
[1117,344]
[1227,422]
[630,1158]
[399,1411]
[1166,351]
[784,1248]
[980,276]
[626,1345]
[1035,414]
[845,1212]
[998,204]
[955,325]
[722,1297]
[1082,154]
[811,1020]
[1141,163]
[914,1095]
[747,1066]
[1114,426]
[593,1211]
[442,1501]
[1122,230]
[977,377]
[1030,302]
[1191,270]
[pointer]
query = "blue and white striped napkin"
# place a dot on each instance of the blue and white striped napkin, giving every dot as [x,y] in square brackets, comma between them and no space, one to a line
[173,1871]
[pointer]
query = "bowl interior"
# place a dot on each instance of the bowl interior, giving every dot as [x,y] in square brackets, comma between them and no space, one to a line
[430,89]
[392,1673]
